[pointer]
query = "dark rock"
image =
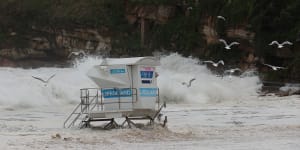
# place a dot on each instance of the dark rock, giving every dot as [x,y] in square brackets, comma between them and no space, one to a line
[160,14]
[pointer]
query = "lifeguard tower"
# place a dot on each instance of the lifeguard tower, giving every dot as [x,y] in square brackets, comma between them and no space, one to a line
[127,88]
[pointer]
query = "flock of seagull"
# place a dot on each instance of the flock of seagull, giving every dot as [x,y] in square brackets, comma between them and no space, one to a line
[228,47]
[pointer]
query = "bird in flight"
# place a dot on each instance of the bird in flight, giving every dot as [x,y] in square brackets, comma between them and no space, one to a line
[282,44]
[44,81]
[228,46]
[80,53]
[230,72]
[190,82]
[221,17]
[190,8]
[275,67]
[215,64]
[233,70]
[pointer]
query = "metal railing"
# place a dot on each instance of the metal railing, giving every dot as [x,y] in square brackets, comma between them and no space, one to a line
[92,98]
[96,99]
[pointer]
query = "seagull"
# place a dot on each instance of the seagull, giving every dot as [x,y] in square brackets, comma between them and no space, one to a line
[190,82]
[274,67]
[215,64]
[44,81]
[221,17]
[80,53]
[281,45]
[190,8]
[228,46]
[233,70]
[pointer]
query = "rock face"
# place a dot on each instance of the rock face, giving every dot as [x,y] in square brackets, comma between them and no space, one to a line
[240,33]
[169,26]
[59,43]
[56,43]
[86,39]
[160,14]
[211,36]
[16,54]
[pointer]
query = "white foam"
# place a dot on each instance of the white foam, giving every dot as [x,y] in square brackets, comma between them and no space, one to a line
[207,88]
[19,89]
[263,123]
[290,88]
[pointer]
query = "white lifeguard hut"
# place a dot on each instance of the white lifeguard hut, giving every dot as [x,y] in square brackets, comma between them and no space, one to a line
[127,88]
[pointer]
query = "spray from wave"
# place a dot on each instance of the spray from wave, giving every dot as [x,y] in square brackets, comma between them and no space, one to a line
[19,89]
[207,88]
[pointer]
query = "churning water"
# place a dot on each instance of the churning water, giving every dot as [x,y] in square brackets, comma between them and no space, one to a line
[213,113]
[19,89]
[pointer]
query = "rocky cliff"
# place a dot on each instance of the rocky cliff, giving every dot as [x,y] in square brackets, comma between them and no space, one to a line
[35,33]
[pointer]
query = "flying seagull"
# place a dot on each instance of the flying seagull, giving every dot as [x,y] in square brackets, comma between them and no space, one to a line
[228,46]
[44,81]
[215,64]
[233,70]
[80,53]
[282,44]
[190,82]
[190,8]
[275,67]
[221,17]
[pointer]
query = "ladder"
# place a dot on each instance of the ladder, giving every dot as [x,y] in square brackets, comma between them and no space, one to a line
[81,111]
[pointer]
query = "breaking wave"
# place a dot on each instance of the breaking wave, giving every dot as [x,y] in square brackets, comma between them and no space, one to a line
[207,88]
[19,89]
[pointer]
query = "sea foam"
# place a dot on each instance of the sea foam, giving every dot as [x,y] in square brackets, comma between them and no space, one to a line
[19,89]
